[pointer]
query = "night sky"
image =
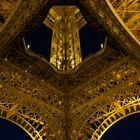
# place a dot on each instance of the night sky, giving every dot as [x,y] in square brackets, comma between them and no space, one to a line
[126,129]
[40,41]
[10,131]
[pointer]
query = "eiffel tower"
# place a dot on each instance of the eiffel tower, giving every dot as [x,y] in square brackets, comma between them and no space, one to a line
[68,99]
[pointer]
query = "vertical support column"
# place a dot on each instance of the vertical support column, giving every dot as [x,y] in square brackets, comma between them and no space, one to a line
[65,49]
[67,126]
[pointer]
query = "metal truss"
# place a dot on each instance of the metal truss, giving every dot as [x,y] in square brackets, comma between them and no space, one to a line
[18,19]
[100,14]
[30,98]
[65,48]
[106,19]
[120,82]
[44,103]
[129,11]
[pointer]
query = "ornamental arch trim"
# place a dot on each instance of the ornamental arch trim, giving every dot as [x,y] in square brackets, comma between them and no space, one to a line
[20,121]
[28,114]
[116,111]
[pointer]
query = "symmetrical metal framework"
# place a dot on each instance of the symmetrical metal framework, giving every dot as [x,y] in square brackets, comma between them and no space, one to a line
[19,102]
[81,104]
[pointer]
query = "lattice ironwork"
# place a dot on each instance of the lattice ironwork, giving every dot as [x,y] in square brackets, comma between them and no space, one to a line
[129,11]
[83,99]
[20,18]
[120,82]
[25,92]
[82,104]
[65,21]
[105,18]
[113,113]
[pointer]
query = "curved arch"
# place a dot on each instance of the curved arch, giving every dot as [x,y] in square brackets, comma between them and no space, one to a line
[108,115]
[29,113]
[100,104]
[122,22]
[122,109]
[21,122]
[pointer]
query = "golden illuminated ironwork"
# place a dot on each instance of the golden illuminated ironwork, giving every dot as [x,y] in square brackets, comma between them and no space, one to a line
[114,113]
[31,126]
[65,21]
[50,105]
[129,12]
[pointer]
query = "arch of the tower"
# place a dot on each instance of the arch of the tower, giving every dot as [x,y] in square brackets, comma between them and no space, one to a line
[9,114]
[26,102]
[28,114]
[107,115]
[107,98]
[114,113]
[101,120]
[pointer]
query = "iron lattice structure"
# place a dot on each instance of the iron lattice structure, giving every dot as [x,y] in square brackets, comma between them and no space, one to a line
[65,21]
[83,103]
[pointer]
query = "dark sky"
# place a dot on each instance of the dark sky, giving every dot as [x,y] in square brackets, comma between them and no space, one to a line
[10,131]
[90,40]
[40,41]
[126,129]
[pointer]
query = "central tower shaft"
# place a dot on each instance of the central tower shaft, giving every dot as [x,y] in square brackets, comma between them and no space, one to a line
[65,49]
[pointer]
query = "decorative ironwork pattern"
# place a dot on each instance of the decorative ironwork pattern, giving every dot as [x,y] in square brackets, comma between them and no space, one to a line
[28,92]
[129,11]
[120,82]
[113,113]
[19,20]
[65,49]
[28,64]
[84,103]
[82,99]
[93,66]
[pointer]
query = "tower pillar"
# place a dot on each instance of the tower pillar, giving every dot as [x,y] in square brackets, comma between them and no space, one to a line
[65,21]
